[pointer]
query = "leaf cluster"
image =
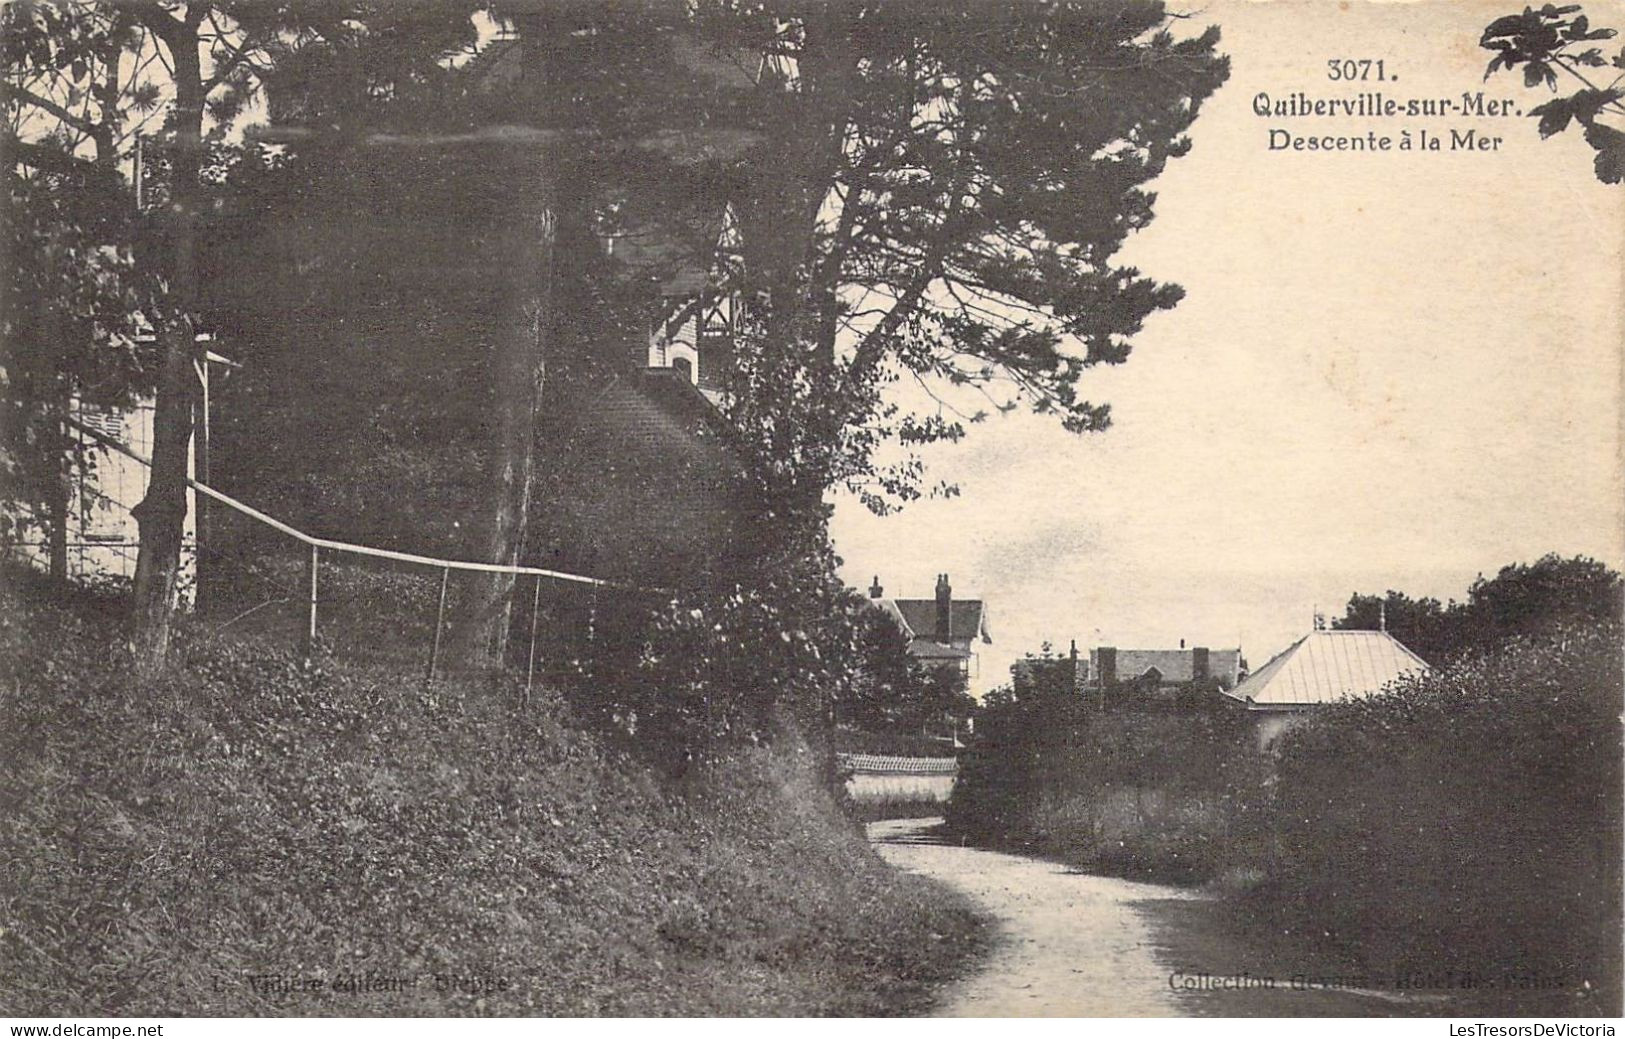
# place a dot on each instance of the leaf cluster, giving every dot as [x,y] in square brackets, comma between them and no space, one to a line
[1552,39]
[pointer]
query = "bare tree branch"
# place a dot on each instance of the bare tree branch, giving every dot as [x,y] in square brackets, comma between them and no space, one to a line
[79,121]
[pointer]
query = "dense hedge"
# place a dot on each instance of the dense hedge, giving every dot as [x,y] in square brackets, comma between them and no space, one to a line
[901,744]
[1463,828]
[163,846]
[1469,821]
[1168,793]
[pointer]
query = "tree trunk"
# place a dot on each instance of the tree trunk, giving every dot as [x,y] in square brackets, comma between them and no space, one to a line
[66,464]
[161,515]
[162,512]
[518,370]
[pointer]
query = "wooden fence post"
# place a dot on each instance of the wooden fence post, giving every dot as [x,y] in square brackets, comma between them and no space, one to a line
[592,615]
[530,663]
[439,622]
[310,626]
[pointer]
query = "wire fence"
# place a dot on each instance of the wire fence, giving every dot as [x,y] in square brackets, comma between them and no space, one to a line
[257,574]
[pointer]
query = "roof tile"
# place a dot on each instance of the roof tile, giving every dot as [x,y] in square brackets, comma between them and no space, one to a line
[966,618]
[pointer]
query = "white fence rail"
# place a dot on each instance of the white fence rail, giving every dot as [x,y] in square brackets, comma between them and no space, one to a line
[318,545]
[344,546]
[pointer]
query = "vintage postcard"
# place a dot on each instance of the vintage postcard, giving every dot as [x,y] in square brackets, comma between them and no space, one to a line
[812,508]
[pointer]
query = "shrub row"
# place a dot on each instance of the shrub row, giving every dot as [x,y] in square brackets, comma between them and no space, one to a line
[1467,822]
[1166,794]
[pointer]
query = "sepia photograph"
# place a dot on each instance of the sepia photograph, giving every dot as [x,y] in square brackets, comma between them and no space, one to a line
[629,509]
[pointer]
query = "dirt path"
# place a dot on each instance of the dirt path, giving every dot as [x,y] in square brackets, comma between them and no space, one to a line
[1072,945]
[1077,945]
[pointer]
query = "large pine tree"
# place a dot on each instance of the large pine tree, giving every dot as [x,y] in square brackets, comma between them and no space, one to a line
[922,193]
[937,193]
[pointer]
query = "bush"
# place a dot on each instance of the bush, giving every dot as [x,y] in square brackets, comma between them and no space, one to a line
[1469,820]
[1464,827]
[680,675]
[1170,794]
[852,740]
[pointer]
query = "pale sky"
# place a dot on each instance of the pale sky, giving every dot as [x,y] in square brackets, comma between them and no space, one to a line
[1389,371]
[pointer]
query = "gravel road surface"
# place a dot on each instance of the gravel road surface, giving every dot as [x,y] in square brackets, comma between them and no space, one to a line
[1072,945]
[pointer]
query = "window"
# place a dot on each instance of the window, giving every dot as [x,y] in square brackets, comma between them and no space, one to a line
[102,420]
[717,317]
[684,367]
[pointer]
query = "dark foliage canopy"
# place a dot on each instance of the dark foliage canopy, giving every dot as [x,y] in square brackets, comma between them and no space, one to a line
[923,197]
[1521,599]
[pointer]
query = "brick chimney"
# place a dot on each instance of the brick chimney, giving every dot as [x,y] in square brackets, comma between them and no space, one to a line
[875,591]
[945,609]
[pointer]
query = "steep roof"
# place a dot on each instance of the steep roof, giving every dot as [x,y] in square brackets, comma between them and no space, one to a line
[1327,666]
[966,617]
[889,608]
[679,264]
[656,409]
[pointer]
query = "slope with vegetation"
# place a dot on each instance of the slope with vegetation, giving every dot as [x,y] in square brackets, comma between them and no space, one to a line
[240,837]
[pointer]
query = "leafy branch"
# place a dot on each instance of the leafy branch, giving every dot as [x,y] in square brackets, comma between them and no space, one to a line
[1554,39]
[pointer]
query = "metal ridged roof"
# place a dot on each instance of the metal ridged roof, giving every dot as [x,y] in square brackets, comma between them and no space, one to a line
[1327,666]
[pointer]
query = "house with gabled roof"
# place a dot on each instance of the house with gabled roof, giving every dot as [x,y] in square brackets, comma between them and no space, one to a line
[1109,665]
[1322,667]
[942,631]
[691,322]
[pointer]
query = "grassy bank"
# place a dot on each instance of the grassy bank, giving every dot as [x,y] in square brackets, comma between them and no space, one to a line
[239,837]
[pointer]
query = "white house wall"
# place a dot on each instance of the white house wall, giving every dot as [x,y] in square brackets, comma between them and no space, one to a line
[669,343]
[866,788]
[103,537]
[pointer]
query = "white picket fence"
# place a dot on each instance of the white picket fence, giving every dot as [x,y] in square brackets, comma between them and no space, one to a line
[898,765]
